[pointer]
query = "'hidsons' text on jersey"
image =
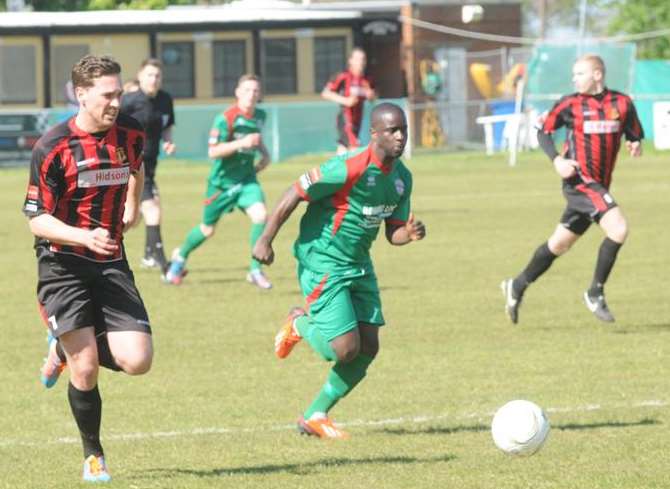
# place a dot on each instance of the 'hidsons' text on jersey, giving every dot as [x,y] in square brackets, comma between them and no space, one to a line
[349,198]
[595,124]
[82,179]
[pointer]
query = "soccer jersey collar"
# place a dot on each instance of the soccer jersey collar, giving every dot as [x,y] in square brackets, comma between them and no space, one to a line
[597,96]
[378,163]
[98,136]
[246,115]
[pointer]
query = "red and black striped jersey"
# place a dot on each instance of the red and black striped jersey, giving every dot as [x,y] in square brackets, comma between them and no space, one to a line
[594,124]
[346,84]
[82,179]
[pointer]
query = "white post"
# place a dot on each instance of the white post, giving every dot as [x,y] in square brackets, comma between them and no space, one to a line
[516,122]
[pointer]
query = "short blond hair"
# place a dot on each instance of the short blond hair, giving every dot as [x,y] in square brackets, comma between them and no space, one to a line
[596,61]
[248,77]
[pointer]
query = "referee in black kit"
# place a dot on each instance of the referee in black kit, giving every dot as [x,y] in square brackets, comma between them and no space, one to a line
[153,108]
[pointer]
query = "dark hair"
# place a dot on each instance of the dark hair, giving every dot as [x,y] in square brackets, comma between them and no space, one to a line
[91,67]
[155,62]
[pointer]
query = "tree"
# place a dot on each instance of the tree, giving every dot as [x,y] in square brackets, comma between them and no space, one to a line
[553,18]
[637,16]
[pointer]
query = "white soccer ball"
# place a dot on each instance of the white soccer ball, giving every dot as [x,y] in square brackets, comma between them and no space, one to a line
[520,428]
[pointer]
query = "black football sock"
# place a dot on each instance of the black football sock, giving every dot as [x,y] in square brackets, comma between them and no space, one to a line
[105,358]
[87,411]
[152,237]
[606,258]
[155,246]
[539,263]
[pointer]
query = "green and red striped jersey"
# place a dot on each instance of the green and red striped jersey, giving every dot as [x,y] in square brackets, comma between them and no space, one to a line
[231,125]
[349,197]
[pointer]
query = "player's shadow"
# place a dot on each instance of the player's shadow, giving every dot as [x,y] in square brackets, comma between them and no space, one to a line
[436,430]
[645,328]
[605,424]
[450,430]
[297,469]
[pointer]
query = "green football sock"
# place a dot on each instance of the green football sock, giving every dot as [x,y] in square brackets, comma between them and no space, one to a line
[193,240]
[256,231]
[311,333]
[342,379]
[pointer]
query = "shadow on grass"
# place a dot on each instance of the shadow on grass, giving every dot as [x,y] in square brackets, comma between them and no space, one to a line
[645,328]
[450,430]
[605,424]
[297,469]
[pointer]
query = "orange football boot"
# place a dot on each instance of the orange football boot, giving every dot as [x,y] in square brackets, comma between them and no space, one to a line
[321,427]
[288,336]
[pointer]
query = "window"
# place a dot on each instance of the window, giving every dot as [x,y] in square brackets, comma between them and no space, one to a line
[177,58]
[63,58]
[230,63]
[17,75]
[329,59]
[279,66]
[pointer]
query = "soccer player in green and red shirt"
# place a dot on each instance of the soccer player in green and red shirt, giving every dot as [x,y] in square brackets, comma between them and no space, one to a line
[234,142]
[349,197]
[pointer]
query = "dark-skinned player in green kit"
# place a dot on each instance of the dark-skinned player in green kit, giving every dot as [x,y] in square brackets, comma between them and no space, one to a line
[349,197]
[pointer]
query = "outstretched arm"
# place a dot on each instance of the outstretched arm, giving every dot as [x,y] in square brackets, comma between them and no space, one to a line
[401,234]
[263,251]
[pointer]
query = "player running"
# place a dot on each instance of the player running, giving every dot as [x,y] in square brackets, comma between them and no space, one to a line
[595,118]
[86,178]
[349,197]
[350,89]
[234,142]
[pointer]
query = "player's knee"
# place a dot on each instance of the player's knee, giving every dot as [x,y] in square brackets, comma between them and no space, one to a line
[84,375]
[207,231]
[137,364]
[258,214]
[348,351]
[618,232]
[370,348]
[559,246]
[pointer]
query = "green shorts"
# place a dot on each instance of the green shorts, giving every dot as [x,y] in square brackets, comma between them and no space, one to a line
[338,301]
[221,201]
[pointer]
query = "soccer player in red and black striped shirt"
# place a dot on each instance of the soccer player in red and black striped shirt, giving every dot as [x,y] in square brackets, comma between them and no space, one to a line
[85,183]
[595,119]
[350,89]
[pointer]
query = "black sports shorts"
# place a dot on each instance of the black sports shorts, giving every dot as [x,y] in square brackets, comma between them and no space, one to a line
[587,203]
[75,293]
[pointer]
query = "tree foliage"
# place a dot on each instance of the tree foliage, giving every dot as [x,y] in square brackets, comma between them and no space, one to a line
[637,16]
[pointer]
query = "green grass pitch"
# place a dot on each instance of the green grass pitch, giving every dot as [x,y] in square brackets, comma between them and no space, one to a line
[218,409]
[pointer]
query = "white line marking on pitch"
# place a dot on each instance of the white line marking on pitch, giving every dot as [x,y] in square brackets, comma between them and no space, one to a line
[360,422]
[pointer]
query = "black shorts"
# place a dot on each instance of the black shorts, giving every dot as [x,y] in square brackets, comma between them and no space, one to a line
[587,203]
[150,190]
[347,133]
[75,293]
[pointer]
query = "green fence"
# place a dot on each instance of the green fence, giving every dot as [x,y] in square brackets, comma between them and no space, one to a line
[652,84]
[550,76]
[290,129]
